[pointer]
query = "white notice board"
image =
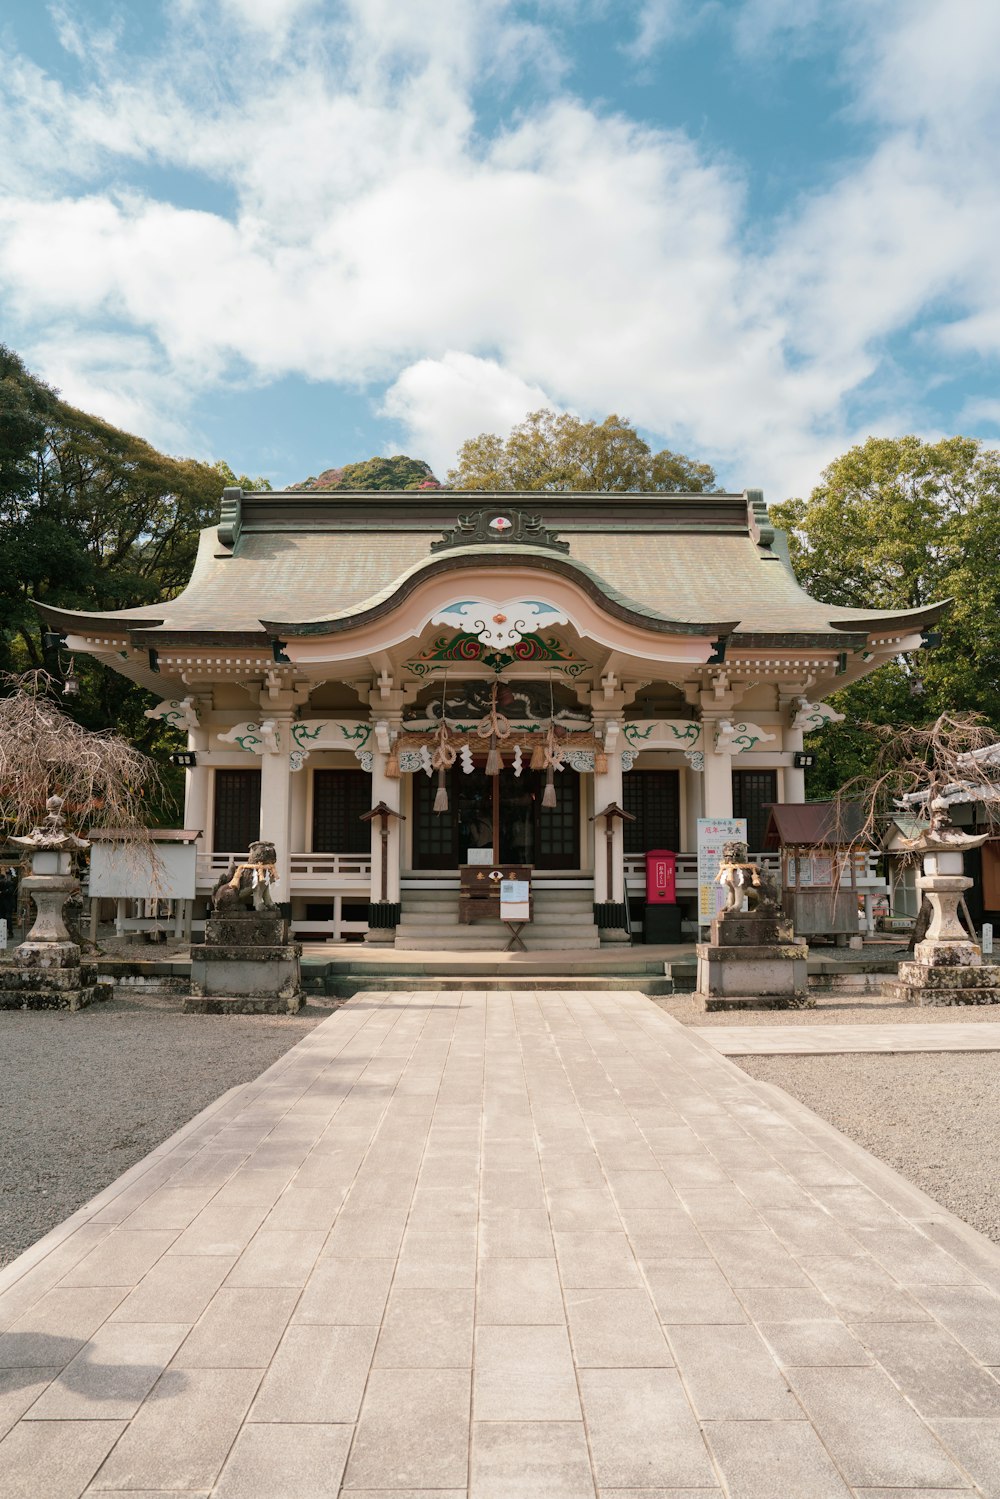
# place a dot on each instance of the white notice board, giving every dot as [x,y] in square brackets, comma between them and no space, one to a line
[161,871]
[515,900]
[713,834]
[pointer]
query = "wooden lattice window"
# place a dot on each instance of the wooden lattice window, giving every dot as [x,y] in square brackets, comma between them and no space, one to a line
[236,821]
[654,799]
[340,798]
[753,791]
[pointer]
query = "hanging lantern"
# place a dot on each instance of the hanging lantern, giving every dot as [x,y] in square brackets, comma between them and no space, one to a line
[441,794]
[549,794]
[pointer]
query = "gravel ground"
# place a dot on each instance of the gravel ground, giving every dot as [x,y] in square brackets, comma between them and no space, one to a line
[935,1117]
[85,1096]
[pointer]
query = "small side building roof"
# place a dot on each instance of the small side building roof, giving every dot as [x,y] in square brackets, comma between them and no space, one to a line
[815,825]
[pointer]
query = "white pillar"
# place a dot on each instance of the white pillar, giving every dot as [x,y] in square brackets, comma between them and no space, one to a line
[608,788]
[388,790]
[794,780]
[196,784]
[276,804]
[717,788]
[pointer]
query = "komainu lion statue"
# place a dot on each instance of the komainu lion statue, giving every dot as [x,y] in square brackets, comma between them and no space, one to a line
[741,878]
[248,885]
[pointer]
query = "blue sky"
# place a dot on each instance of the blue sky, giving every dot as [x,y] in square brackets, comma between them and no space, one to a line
[293,233]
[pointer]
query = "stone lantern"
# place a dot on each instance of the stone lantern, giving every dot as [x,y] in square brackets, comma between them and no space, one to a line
[947,966]
[47,972]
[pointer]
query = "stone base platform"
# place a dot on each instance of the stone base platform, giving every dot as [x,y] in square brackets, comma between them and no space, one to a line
[753,962]
[241,1004]
[50,976]
[957,984]
[245,966]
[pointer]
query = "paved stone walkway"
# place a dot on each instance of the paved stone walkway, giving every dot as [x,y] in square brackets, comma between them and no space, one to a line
[813,1040]
[537,1246]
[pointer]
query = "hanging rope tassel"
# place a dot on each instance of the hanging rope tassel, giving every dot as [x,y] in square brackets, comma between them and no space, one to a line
[441,794]
[600,763]
[392,765]
[538,757]
[549,794]
[494,760]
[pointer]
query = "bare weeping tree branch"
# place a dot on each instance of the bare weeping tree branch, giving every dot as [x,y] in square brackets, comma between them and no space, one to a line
[104,781]
[921,773]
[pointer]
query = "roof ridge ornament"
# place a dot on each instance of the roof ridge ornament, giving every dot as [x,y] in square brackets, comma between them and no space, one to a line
[758,519]
[509,527]
[230,517]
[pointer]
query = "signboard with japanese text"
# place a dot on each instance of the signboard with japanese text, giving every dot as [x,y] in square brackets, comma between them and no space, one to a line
[515,900]
[713,835]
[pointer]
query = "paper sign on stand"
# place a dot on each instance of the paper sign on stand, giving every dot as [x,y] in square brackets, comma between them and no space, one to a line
[713,835]
[515,900]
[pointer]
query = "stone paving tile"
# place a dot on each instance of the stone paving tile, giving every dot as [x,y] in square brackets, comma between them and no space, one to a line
[121,1260]
[773,1460]
[277,1259]
[589,1260]
[112,1374]
[616,1329]
[861,1291]
[55,1329]
[240,1329]
[427,1329]
[346,1293]
[525,1460]
[182,1433]
[642,1431]
[19,1389]
[177,1289]
[815,1344]
[317,1374]
[285,1462]
[519,1292]
[753,1259]
[730,1375]
[54,1459]
[524,1374]
[220,1228]
[692,1291]
[413,1431]
[973,1443]
[873,1434]
[934,1372]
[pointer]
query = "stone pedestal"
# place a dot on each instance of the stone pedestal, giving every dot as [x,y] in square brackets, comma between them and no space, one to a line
[47,972]
[947,967]
[753,962]
[246,966]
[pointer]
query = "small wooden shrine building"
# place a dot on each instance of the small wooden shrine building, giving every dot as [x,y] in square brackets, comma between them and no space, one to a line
[333,651]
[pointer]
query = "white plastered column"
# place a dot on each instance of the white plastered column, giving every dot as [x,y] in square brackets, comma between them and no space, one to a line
[717,778]
[389,790]
[196,789]
[608,788]
[276,802]
[793,780]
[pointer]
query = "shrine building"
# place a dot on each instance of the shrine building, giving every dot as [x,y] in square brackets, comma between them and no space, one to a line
[494,670]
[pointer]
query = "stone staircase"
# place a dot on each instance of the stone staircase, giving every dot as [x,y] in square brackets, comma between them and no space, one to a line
[563,922]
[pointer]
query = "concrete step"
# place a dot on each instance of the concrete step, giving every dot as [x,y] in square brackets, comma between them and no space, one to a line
[342,987]
[465,941]
[545,917]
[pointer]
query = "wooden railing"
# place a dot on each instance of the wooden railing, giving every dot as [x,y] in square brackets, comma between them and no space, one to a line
[309,871]
[868,877]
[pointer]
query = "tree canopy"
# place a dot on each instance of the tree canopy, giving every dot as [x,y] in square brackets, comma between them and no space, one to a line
[559,451]
[897,523]
[398,472]
[94,518]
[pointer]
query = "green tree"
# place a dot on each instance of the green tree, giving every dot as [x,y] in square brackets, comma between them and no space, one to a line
[90,518]
[559,451]
[897,523]
[398,472]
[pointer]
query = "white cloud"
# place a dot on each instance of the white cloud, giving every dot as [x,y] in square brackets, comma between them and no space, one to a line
[443,401]
[575,257]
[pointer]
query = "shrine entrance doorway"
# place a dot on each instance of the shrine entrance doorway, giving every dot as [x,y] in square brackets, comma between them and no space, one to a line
[503,812]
